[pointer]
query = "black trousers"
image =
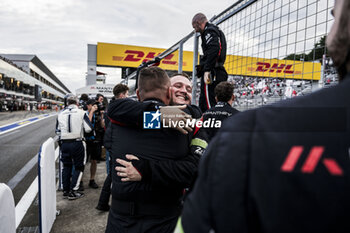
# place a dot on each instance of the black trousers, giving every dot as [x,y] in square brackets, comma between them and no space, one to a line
[73,153]
[137,224]
[106,189]
[207,95]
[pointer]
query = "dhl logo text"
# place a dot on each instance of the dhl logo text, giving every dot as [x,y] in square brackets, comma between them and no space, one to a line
[278,68]
[140,56]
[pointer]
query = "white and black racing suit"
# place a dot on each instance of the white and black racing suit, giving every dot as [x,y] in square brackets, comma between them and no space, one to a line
[72,122]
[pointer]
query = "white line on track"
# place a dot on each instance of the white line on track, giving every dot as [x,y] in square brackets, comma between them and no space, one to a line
[25,202]
[23,172]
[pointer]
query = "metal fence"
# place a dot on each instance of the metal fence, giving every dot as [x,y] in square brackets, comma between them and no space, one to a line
[275,49]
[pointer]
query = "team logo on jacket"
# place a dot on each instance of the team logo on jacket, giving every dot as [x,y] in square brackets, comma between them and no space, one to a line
[208,38]
[313,158]
[151,120]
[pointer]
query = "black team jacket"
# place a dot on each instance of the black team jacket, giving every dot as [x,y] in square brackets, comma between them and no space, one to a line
[220,112]
[214,48]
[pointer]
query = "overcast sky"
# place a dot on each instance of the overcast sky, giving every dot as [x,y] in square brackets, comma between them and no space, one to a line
[58,31]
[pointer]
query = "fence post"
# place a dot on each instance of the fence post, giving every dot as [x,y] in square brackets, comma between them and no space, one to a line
[47,186]
[7,210]
[194,72]
[181,50]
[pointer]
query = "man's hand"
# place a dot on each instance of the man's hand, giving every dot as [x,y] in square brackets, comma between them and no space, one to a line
[128,172]
[174,114]
[207,79]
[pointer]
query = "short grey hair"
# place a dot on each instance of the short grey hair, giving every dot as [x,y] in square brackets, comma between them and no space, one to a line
[199,18]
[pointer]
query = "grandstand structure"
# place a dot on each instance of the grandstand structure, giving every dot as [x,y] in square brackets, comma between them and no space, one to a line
[26,81]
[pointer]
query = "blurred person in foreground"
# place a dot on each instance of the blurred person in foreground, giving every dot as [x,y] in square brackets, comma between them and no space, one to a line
[284,167]
[211,67]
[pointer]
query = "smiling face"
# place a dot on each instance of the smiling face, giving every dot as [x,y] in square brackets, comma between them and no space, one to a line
[181,90]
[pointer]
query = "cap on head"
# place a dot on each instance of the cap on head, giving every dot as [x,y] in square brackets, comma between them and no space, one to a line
[70,99]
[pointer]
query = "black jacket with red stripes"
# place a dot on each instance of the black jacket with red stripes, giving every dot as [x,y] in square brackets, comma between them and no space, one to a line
[283,168]
[213,46]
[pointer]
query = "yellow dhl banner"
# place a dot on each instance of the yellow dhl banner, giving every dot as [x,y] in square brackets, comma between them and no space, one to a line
[274,68]
[132,56]
[118,55]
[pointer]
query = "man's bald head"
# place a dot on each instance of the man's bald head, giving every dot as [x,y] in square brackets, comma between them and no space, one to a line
[199,21]
[154,82]
[338,39]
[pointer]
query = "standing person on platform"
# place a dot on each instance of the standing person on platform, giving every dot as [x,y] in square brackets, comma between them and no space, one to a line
[71,123]
[284,167]
[211,67]
[144,206]
[120,91]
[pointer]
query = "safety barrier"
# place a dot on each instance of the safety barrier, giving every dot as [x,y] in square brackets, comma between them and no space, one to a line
[7,210]
[47,185]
